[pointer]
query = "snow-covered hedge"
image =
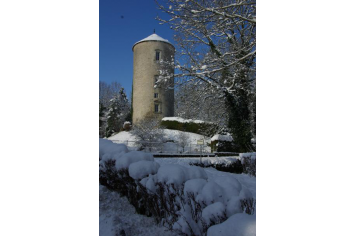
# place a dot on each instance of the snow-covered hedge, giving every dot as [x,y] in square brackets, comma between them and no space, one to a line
[193,126]
[246,164]
[181,198]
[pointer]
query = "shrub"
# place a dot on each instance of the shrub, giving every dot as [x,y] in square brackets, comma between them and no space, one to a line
[206,129]
[247,166]
[248,205]
[223,146]
[233,167]
[168,204]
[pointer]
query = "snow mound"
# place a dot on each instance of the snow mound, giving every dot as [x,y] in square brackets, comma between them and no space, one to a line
[233,206]
[213,212]
[172,174]
[237,225]
[178,174]
[109,150]
[141,169]
[196,172]
[123,136]
[130,157]
[194,186]
[231,186]
[211,192]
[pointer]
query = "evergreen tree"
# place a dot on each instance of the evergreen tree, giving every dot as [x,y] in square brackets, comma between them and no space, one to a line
[118,110]
[102,120]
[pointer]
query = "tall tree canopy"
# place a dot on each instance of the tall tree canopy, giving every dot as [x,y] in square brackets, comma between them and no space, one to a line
[216,50]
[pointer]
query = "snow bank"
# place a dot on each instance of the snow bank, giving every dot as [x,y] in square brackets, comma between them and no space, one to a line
[123,137]
[237,225]
[109,150]
[213,212]
[191,140]
[141,169]
[130,157]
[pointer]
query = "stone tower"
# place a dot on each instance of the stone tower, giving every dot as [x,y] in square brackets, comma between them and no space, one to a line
[150,100]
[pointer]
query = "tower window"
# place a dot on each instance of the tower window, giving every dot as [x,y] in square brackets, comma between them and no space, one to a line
[156,108]
[156,95]
[158,54]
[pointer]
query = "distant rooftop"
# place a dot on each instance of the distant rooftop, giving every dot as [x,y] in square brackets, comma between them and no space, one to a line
[152,37]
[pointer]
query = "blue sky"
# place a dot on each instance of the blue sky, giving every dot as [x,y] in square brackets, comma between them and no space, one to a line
[121,24]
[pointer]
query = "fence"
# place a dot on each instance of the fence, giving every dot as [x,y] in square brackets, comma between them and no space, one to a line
[165,147]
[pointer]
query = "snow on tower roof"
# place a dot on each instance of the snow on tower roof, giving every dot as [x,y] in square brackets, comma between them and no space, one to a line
[153,37]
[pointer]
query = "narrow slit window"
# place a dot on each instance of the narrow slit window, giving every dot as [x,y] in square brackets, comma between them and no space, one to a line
[156,108]
[158,54]
[156,95]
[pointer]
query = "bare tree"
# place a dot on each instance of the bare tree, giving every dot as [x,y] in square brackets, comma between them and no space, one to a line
[194,102]
[215,39]
[149,133]
[216,47]
[183,140]
[108,91]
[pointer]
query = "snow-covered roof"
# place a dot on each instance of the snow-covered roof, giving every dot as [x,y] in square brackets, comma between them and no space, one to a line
[152,37]
[222,137]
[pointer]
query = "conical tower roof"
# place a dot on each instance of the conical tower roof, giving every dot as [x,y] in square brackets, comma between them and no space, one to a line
[152,37]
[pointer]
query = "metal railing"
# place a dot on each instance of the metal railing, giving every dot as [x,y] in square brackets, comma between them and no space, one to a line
[165,147]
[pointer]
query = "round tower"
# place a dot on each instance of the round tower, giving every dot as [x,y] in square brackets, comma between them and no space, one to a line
[150,100]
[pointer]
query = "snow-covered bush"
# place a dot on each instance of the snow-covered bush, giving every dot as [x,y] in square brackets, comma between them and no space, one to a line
[109,150]
[233,167]
[141,169]
[222,143]
[246,165]
[248,161]
[178,197]
[126,126]
[193,126]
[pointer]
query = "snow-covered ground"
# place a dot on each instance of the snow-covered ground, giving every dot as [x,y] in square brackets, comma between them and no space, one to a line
[130,141]
[118,218]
